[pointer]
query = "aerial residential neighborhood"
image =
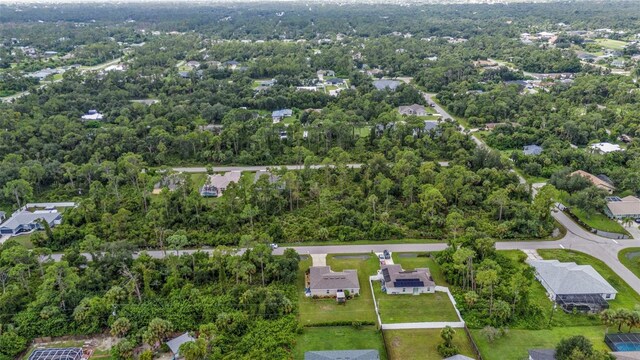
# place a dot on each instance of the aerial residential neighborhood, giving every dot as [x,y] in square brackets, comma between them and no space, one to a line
[320,180]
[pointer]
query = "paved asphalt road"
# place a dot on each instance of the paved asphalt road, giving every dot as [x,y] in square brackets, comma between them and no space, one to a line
[197,169]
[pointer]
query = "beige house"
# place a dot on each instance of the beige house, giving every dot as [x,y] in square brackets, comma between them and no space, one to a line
[627,207]
[596,181]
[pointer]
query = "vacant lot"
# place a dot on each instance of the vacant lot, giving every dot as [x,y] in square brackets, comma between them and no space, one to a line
[339,338]
[422,344]
[360,308]
[414,308]
[611,44]
[630,257]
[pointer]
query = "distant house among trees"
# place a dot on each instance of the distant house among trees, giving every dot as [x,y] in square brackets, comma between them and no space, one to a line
[92,115]
[532,150]
[216,184]
[595,180]
[415,109]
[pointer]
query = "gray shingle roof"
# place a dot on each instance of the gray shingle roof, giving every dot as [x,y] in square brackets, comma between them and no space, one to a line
[569,278]
[459,357]
[395,276]
[342,355]
[542,354]
[383,84]
[27,217]
[174,344]
[532,150]
[321,277]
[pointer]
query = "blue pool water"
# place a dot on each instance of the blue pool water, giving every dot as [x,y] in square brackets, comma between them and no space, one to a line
[627,347]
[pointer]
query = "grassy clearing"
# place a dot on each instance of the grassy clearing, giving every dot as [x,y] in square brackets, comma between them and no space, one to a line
[339,338]
[626,298]
[360,308]
[630,258]
[611,44]
[515,344]
[422,344]
[363,131]
[24,240]
[599,221]
[414,308]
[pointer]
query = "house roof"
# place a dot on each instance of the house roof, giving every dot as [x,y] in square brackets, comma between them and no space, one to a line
[383,84]
[459,357]
[411,109]
[564,278]
[532,150]
[368,354]
[27,217]
[321,277]
[174,344]
[272,178]
[282,113]
[395,276]
[223,181]
[594,179]
[430,125]
[628,205]
[605,147]
[542,354]
[56,354]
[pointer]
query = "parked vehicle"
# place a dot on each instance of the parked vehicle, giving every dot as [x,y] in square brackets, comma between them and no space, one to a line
[274,246]
[387,254]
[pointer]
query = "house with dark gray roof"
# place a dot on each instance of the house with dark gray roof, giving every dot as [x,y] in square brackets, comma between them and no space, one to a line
[532,150]
[278,115]
[395,280]
[574,287]
[25,221]
[542,354]
[326,283]
[368,354]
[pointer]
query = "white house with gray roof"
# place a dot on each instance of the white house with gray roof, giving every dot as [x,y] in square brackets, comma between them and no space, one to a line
[395,280]
[326,283]
[25,221]
[573,286]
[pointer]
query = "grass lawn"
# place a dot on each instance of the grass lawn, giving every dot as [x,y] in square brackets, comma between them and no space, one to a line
[599,221]
[24,240]
[630,257]
[626,298]
[515,344]
[363,131]
[360,308]
[414,308]
[422,344]
[611,44]
[339,338]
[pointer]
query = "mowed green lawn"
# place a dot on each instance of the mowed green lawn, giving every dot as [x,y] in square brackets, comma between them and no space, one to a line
[338,338]
[599,221]
[611,44]
[630,257]
[422,344]
[514,345]
[360,308]
[403,308]
[626,298]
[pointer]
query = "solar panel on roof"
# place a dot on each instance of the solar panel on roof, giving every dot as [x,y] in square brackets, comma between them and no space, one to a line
[385,273]
[56,354]
[408,283]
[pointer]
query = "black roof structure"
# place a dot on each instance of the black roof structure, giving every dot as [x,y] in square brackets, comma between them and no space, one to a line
[56,354]
[623,342]
[582,302]
[385,274]
[408,283]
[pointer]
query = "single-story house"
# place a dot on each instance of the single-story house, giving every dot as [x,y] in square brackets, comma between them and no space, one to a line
[414,109]
[627,207]
[386,84]
[542,354]
[268,83]
[174,344]
[605,147]
[269,175]
[171,182]
[368,354]
[596,181]
[324,282]
[57,354]
[216,184]
[322,73]
[532,150]
[618,63]
[92,115]
[395,280]
[334,81]
[572,286]
[278,115]
[193,64]
[232,64]
[491,126]
[24,221]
